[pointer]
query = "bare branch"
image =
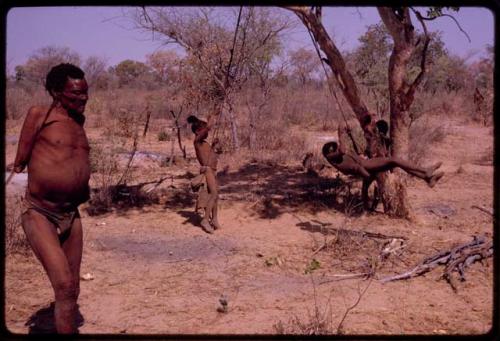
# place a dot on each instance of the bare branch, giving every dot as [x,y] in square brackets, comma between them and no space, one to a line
[411,91]
[453,18]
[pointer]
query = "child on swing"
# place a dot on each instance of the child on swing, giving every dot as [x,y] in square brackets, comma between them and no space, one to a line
[351,164]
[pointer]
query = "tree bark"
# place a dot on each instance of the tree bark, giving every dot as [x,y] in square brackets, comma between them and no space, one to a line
[398,23]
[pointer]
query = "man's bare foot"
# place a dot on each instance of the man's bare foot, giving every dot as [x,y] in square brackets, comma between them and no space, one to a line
[215,224]
[434,179]
[205,225]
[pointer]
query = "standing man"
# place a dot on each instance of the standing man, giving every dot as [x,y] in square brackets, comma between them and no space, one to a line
[54,147]
[208,162]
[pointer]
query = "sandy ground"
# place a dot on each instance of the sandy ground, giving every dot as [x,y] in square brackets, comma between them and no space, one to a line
[154,271]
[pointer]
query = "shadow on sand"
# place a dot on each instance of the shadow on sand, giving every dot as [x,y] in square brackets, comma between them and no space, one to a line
[270,189]
[42,321]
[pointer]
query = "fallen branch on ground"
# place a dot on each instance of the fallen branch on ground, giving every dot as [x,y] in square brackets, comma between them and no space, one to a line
[342,277]
[352,232]
[456,259]
[484,209]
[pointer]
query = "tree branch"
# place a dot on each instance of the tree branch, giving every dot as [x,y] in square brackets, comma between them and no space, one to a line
[411,91]
[453,18]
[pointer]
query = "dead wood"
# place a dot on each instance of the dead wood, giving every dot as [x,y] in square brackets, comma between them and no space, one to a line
[484,209]
[456,259]
[355,233]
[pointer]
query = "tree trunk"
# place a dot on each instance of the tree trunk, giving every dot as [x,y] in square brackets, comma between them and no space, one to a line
[402,31]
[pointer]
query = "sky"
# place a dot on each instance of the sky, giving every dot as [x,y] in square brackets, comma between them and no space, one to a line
[106,33]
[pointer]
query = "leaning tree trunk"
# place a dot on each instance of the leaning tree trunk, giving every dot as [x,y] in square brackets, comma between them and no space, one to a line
[392,188]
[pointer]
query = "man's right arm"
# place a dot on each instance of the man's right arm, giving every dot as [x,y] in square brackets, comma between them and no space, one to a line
[27,138]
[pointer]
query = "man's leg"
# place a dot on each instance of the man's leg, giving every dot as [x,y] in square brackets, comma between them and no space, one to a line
[44,241]
[72,246]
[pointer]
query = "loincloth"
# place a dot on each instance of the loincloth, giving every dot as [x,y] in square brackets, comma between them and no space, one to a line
[61,220]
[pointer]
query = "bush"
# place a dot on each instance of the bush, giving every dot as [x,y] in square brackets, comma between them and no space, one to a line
[163,136]
[423,134]
[15,239]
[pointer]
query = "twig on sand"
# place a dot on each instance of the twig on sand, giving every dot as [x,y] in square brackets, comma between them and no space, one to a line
[484,209]
[348,310]
[341,277]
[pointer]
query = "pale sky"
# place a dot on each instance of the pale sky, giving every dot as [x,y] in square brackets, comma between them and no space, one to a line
[104,32]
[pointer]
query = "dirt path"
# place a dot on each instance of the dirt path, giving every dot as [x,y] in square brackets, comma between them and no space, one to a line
[155,272]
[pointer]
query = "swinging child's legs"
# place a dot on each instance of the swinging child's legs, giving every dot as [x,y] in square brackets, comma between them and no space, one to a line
[381,164]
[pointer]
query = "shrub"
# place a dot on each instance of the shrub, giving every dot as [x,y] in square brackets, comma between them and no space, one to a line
[423,134]
[15,240]
[163,136]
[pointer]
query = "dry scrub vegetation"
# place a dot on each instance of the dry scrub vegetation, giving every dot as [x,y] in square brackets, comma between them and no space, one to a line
[270,121]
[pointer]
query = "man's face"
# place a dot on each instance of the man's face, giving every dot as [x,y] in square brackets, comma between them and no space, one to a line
[74,96]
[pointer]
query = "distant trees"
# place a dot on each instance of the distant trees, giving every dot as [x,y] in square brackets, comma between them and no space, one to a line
[42,60]
[165,64]
[95,72]
[304,64]
[129,72]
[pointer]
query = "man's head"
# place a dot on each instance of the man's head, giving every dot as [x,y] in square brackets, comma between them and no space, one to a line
[67,85]
[329,148]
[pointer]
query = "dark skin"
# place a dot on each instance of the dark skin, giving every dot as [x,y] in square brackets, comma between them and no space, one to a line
[208,161]
[369,168]
[58,174]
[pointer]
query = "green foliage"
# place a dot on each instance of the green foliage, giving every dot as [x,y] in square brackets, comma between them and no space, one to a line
[42,60]
[129,71]
[163,136]
[304,63]
[314,265]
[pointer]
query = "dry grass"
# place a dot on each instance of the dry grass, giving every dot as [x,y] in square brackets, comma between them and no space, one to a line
[423,134]
[317,322]
[15,240]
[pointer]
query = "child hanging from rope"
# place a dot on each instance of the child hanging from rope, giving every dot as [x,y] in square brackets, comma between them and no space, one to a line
[351,164]
[208,161]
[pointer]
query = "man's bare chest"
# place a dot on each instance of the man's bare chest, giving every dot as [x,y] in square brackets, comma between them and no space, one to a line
[63,134]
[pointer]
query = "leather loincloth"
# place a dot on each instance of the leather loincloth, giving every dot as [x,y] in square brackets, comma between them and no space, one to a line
[61,220]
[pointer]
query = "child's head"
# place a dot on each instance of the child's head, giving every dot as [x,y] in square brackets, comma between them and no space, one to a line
[382,126]
[329,148]
[196,123]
